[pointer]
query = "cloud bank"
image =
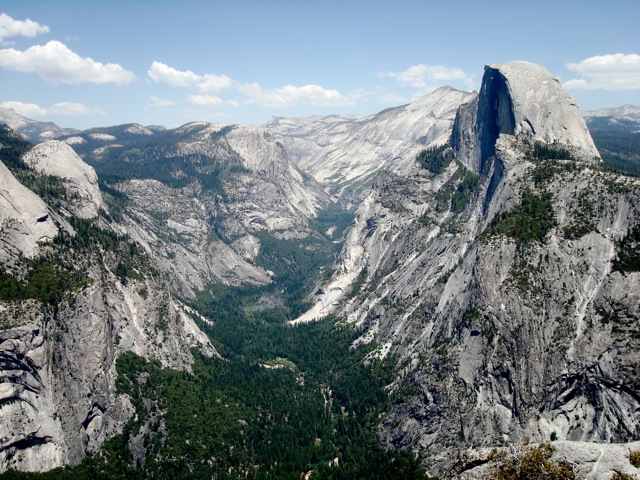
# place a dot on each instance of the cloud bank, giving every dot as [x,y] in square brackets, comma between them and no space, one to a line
[606,72]
[9,27]
[210,86]
[66,109]
[428,77]
[56,63]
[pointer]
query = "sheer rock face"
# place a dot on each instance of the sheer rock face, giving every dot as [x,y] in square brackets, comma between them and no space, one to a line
[501,331]
[174,227]
[26,221]
[80,180]
[520,99]
[58,392]
[58,398]
[345,153]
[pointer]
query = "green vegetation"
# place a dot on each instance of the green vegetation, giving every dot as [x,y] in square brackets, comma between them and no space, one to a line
[436,159]
[634,458]
[295,264]
[456,193]
[628,252]
[550,151]
[530,463]
[332,216]
[618,142]
[47,279]
[240,419]
[464,191]
[529,221]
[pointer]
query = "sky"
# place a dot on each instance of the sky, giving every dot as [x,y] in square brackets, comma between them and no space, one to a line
[86,64]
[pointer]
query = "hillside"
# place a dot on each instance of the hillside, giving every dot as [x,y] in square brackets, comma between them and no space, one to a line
[392,296]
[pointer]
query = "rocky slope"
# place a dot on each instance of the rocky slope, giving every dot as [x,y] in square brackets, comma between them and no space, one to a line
[196,195]
[501,274]
[33,130]
[345,153]
[76,294]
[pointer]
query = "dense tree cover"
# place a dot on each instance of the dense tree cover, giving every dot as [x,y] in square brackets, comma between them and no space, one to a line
[456,193]
[550,151]
[436,159]
[529,221]
[289,401]
[628,252]
[332,216]
[618,141]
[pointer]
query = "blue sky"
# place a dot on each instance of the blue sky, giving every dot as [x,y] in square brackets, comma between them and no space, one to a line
[86,64]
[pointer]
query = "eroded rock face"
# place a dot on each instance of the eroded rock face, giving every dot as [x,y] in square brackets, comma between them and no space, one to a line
[345,153]
[59,160]
[57,395]
[59,342]
[25,220]
[496,282]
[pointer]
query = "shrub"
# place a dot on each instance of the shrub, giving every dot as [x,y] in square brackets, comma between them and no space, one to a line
[530,463]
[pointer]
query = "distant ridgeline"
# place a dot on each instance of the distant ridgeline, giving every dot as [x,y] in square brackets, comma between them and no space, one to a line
[447,289]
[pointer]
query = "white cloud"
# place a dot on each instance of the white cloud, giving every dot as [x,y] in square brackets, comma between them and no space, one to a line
[215,83]
[161,73]
[25,109]
[427,77]
[73,109]
[209,85]
[606,72]
[56,63]
[290,95]
[160,102]
[9,27]
[66,109]
[208,100]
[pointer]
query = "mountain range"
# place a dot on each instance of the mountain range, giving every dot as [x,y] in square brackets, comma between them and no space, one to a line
[481,248]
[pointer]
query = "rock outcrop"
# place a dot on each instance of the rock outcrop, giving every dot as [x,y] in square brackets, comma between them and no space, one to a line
[78,294]
[498,280]
[26,222]
[345,153]
[58,159]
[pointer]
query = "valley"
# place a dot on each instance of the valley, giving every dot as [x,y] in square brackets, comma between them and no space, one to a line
[390,296]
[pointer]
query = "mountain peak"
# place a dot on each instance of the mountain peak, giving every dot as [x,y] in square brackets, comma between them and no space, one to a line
[539,105]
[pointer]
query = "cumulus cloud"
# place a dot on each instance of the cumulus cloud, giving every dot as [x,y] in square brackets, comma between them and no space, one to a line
[606,72]
[160,102]
[56,63]
[427,77]
[9,27]
[210,85]
[208,100]
[66,109]
[162,73]
[290,95]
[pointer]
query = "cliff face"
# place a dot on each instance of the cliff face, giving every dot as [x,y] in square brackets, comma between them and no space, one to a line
[499,280]
[345,153]
[77,294]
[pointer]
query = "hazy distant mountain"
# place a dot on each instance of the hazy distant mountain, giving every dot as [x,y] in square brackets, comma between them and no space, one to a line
[492,267]
[628,112]
[34,130]
[616,132]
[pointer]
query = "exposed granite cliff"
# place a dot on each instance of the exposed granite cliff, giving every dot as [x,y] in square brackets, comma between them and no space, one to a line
[77,294]
[499,282]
